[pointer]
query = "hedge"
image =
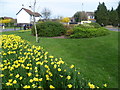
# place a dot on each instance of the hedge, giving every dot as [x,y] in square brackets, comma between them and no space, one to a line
[49,29]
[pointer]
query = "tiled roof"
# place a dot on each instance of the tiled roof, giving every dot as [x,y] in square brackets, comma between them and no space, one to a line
[7,17]
[36,14]
[90,13]
[28,11]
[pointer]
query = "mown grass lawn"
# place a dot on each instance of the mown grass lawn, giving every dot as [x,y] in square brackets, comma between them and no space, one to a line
[97,57]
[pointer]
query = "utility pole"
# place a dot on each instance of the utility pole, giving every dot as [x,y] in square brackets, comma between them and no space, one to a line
[35,22]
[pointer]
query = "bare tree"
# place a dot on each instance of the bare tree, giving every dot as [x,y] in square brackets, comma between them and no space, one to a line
[46,13]
[34,22]
[79,16]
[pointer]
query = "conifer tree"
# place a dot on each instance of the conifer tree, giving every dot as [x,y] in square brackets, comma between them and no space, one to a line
[118,11]
[113,17]
[101,14]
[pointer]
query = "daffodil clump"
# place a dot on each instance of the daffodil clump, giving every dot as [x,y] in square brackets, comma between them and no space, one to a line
[27,66]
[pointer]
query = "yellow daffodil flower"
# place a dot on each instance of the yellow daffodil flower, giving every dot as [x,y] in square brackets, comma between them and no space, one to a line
[91,85]
[59,69]
[1,75]
[78,72]
[14,82]
[68,77]
[51,87]
[31,80]
[17,75]
[51,56]
[26,86]
[33,85]
[29,74]
[69,86]
[10,80]
[35,79]
[20,78]
[39,87]
[72,66]
[40,79]
[105,85]
[8,84]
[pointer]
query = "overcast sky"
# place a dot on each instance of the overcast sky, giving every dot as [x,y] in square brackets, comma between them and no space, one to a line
[65,8]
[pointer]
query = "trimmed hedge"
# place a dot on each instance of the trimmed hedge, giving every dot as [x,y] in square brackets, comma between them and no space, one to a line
[49,29]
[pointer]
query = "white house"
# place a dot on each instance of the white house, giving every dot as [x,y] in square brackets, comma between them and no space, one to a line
[26,16]
[91,16]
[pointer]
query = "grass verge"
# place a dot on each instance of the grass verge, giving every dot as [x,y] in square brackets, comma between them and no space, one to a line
[97,58]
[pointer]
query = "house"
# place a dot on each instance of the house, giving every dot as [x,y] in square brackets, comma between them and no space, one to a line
[26,16]
[91,16]
[84,16]
[72,19]
[6,17]
[7,22]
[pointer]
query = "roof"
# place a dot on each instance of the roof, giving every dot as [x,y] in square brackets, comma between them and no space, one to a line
[7,17]
[36,14]
[90,13]
[91,19]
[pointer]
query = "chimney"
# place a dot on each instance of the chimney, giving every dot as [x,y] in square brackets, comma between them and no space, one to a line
[22,5]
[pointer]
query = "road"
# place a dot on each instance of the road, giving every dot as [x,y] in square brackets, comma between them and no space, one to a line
[114,29]
[12,29]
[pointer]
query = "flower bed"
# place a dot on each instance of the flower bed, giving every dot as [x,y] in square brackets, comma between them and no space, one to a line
[28,66]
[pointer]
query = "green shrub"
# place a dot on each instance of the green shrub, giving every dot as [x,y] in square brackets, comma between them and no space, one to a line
[96,25]
[87,25]
[82,32]
[49,29]
[70,26]
[69,32]
[90,25]
[83,26]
